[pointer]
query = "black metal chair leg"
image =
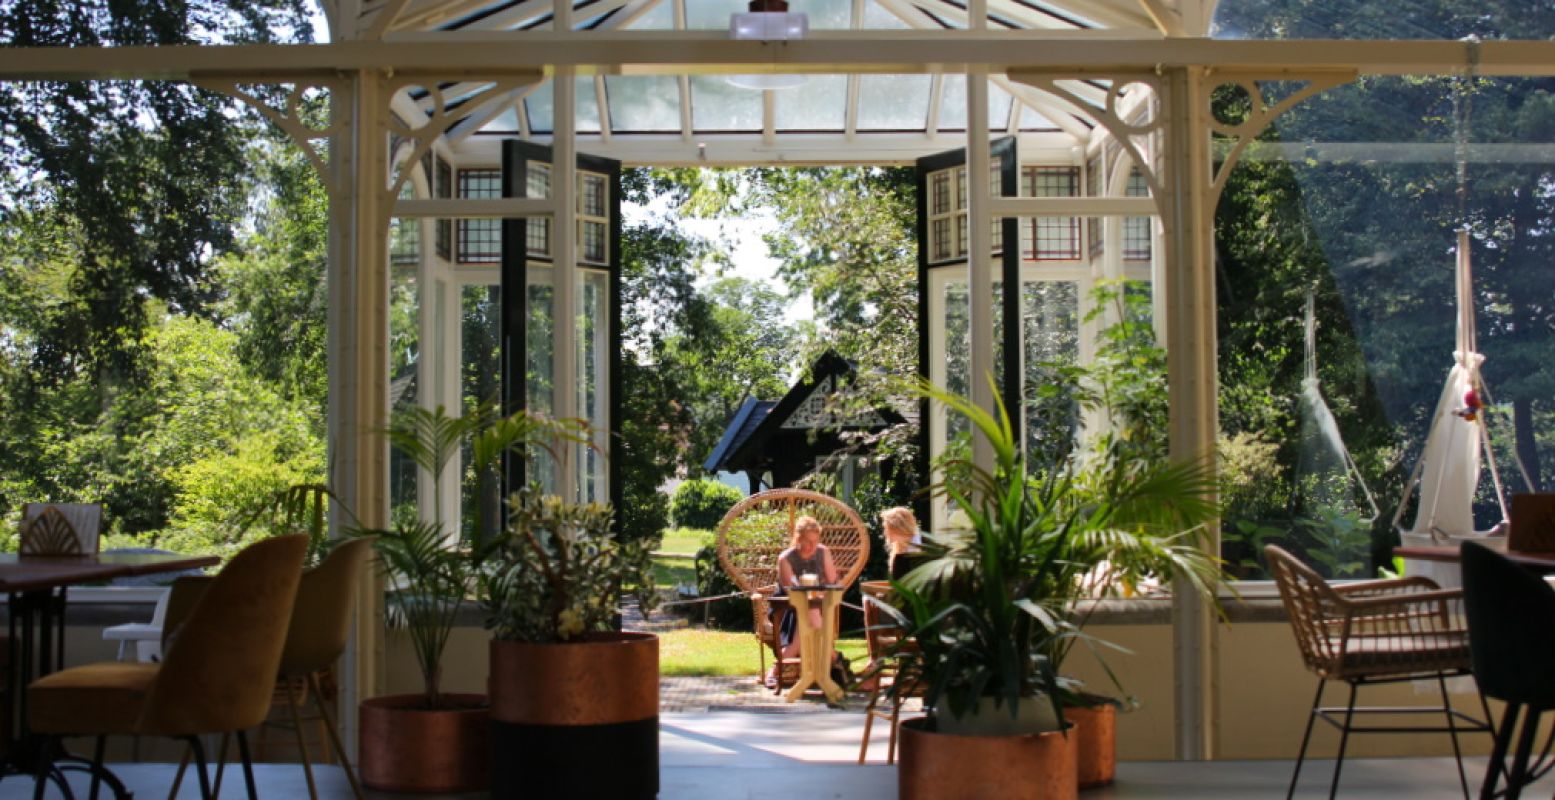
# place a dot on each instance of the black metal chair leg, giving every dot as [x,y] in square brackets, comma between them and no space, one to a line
[1514,784]
[97,766]
[1344,739]
[45,765]
[1452,730]
[1301,757]
[248,765]
[1497,764]
[199,766]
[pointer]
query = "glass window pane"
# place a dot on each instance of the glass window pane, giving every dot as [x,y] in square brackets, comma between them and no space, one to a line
[952,107]
[717,105]
[587,109]
[480,382]
[506,122]
[999,105]
[643,103]
[712,14]
[1050,312]
[878,18]
[661,17]
[479,240]
[893,102]
[540,106]
[820,105]
[826,14]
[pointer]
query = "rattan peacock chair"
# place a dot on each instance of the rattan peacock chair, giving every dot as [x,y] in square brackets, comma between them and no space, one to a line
[760,527]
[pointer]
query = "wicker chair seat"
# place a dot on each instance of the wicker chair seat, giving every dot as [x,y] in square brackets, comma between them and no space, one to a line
[759,528]
[1425,653]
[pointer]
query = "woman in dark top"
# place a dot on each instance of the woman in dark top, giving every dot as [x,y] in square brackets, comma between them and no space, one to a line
[806,560]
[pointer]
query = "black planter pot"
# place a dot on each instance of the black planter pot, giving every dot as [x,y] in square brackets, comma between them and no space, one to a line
[576,720]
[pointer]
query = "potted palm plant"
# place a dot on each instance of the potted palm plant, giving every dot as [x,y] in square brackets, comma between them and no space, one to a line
[992,610]
[565,685]
[436,741]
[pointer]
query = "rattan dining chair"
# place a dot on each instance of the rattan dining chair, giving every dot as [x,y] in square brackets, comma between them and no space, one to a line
[893,685]
[60,529]
[759,528]
[1373,632]
[1511,614]
[216,675]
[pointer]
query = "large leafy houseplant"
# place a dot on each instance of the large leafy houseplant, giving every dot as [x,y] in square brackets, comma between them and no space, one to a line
[993,610]
[560,571]
[434,571]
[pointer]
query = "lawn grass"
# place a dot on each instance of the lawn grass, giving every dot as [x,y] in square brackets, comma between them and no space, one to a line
[672,571]
[700,652]
[685,541]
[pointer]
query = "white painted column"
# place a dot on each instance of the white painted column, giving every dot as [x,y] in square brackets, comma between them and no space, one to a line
[1189,289]
[564,247]
[358,361]
[979,259]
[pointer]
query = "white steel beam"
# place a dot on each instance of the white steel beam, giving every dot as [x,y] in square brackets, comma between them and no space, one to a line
[1078,53]
[1193,418]
[980,260]
[565,292]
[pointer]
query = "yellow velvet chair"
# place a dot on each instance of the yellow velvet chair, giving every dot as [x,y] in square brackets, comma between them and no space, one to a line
[321,622]
[217,674]
[315,640]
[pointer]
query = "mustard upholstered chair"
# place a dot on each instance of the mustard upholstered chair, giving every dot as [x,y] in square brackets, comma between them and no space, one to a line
[217,674]
[321,622]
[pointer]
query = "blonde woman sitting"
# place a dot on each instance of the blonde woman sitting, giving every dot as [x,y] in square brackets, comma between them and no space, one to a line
[902,538]
[806,561]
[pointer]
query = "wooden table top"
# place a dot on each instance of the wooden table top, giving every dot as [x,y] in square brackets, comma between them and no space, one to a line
[19,573]
[1449,554]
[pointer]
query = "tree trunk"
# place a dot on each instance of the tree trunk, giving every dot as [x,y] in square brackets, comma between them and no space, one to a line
[1527,448]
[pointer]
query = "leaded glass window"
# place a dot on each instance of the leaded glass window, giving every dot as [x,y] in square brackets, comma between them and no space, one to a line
[1053,238]
[1137,234]
[480,240]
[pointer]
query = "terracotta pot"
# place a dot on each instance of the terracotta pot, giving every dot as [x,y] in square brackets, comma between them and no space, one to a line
[408,748]
[557,707]
[1096,744]
[1034,766]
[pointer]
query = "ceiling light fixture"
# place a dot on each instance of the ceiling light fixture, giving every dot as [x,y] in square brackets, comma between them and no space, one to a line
[768,21]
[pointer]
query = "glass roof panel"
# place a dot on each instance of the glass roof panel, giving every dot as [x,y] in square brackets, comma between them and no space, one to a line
[825,14]
[587,111]
[819,105]
[999,103]
[540,106]
[712,14]
[893,102]
[1367,19]
[643,102]
[1033,120]
[952,108]
[506,122]
[877,18]
[659,18]
[717,105]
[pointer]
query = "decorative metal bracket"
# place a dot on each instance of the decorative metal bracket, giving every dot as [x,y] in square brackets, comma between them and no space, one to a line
[313,140]
[1131,136]
[1264,113]
[442,116]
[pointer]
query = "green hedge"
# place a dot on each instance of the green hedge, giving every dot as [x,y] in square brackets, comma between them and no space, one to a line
[702,503]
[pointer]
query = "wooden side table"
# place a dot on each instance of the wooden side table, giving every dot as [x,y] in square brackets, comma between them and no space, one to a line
[815,644]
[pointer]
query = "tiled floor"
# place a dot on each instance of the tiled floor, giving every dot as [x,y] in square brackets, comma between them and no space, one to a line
[737,755]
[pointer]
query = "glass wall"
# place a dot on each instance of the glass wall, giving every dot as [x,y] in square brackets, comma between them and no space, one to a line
[1355,200]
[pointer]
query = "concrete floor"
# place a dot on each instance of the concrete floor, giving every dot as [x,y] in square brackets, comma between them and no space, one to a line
[735,755]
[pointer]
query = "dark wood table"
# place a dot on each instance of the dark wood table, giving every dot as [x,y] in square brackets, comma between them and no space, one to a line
[36,586]
[1541,561]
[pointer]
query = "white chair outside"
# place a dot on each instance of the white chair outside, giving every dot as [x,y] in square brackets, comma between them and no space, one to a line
[145,636]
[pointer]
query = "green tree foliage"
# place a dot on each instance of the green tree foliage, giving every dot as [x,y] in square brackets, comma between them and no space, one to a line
[702,503]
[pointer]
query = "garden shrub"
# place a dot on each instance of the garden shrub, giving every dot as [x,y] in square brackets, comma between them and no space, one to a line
[733,614]
[702,503]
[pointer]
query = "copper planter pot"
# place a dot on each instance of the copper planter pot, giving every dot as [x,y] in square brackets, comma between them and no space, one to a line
[1038,766]
[555,708]
[1096,744]
[409,748]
